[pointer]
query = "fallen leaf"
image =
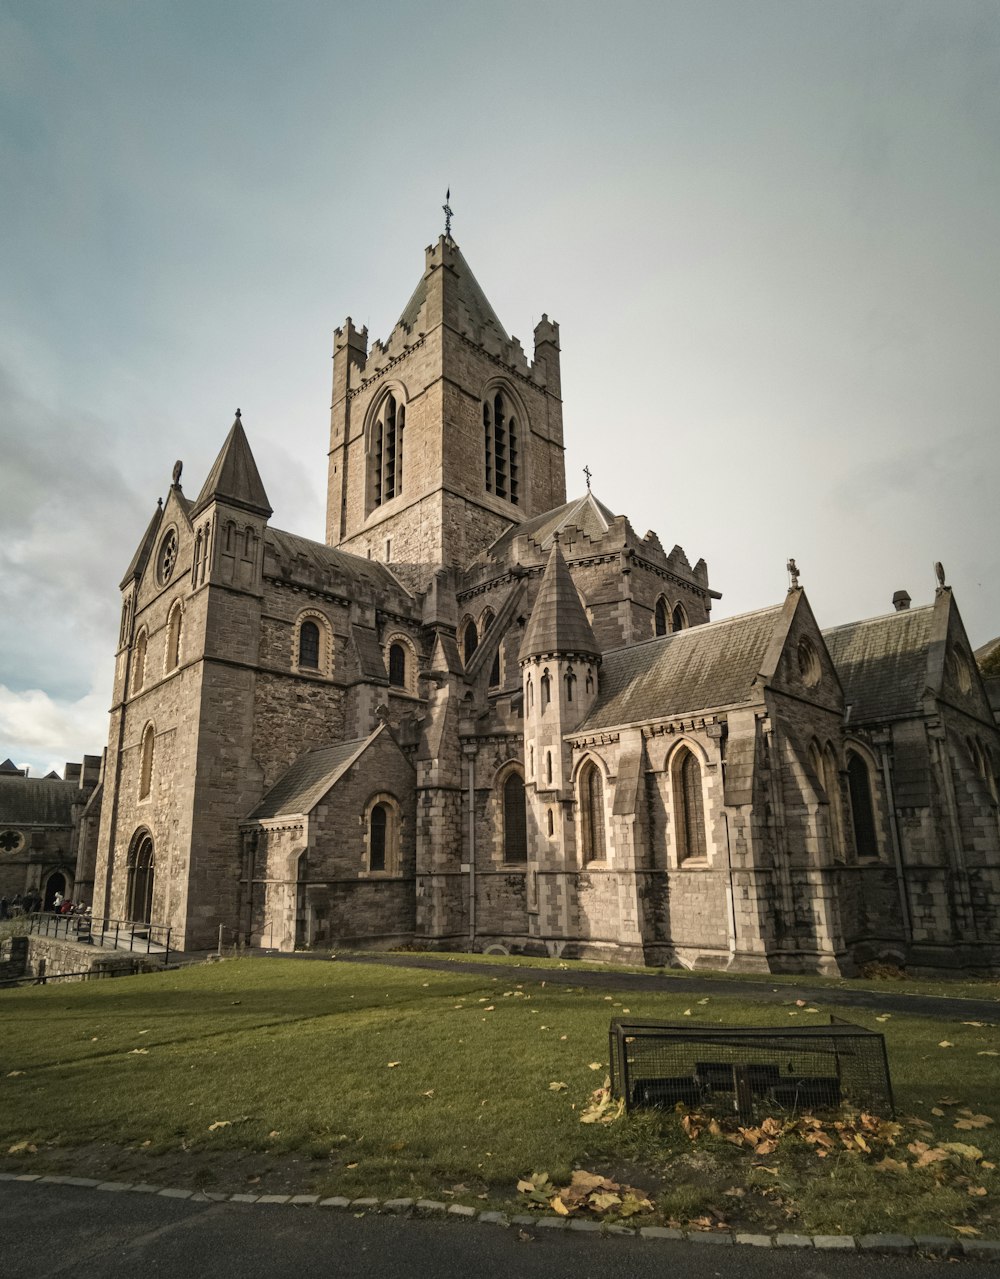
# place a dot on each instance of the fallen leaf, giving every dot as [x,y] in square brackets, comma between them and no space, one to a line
[988,1052]
[970,1121]
[973,1023]
[489,1008]
[22,1148]
[275,1132]
[800,1003]
[138,1052]
[891,1165]
[687,1012]
[391,1064]
[428,1093]
[220,1123]
[963,1151]
[936,1110]
[946,1043]
[596,1065]
[966,1230]
[556,1086]
[557,1205]
[976,1191]
[12,1074]
[352,1165]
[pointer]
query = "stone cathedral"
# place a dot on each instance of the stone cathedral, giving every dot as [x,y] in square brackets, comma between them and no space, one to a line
[482,715]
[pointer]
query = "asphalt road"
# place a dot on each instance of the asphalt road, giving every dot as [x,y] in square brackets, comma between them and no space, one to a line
[67,1231]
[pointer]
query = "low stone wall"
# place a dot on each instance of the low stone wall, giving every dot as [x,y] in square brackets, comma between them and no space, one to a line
[76,961]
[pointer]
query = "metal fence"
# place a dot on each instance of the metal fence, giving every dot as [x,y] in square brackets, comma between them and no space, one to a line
[110,934]
[749,1069]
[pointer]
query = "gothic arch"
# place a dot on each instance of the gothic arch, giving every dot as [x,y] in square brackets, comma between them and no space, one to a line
[679,618]
[139,868]
[383,823]
[687,787]
[468,638]
[139,660]
[175,631]
[146,761]
[590,785]
[505,435]
[510,814]
[661,616]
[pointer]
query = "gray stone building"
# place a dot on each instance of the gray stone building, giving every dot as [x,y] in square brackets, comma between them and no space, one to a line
[483,715]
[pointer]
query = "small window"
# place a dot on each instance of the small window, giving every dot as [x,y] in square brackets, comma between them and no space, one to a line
[809,664]
[495,671]
[531,761]
[309,645]
[397,666]
[470,641]
[678,619]
[548,767]
[570,681]
[551,823]
[377,841]
[660,626]
[139,668]
[515,822]
[546,687]
[173,655]
[146,763]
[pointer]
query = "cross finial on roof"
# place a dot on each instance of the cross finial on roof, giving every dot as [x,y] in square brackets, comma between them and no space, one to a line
[793,575]
[237,414]
[448,215]
[587,472]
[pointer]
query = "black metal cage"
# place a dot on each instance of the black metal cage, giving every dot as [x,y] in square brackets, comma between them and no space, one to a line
[749,1069]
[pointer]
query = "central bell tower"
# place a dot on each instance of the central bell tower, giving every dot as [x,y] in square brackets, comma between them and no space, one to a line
[443,435]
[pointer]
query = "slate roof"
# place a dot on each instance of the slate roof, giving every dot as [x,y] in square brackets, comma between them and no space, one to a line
[234,477]
[469,292]
[586,513]
[38,801]
[882,663]
[342,565]
[8,766]
[301,788]
[558,623]
[690,671]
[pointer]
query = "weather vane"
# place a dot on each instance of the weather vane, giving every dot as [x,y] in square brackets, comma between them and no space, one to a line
[587,472]
[447,213]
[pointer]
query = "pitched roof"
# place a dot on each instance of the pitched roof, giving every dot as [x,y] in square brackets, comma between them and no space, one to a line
[301,788]
[586,513]
[558,622]
[694,670]
[38,801]
[234,478]
[883,663]
[8,766]
[469,293]
[144,549]
[335,565]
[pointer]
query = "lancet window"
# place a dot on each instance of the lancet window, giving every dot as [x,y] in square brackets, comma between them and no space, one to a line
[387,451]
[501,443]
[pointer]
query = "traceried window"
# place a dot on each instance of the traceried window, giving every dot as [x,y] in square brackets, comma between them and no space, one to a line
[862,809]
[592,814]
[166,557]
[660,626]
[515,822]
[689,808]
[309,645]
[387,451]
[501,444]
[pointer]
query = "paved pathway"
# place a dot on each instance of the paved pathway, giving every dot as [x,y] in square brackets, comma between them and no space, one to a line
[51,1231]
[941,1006]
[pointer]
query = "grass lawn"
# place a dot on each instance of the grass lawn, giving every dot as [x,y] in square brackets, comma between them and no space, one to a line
[388,1081]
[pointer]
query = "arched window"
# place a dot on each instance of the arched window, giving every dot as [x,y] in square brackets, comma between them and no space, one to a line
[862,807]
[689,809]
[678,619]
[309,645]
[590,682]
[387,451]
[139,881]
[146,763]
[546,689]
[379,821]
[660,617]
[173,655]
[397,666]
[470,641]
[139,666]
[570,681]
[515,821]
[592,813]
[501,448]
[531,694]
[551,823]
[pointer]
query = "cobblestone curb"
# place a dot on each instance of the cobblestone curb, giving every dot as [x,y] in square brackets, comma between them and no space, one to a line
[887,1244]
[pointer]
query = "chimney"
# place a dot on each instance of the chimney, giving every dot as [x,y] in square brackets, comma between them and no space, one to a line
[901,601]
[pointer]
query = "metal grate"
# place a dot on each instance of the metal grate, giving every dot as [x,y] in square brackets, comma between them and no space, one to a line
[749,1068]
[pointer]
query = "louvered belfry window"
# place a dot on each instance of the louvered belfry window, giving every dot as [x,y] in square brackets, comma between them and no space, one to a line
[387,451]
[501,443]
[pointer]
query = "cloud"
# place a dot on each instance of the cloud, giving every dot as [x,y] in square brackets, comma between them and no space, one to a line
[44,732]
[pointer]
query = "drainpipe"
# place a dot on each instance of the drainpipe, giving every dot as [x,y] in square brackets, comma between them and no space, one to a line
[730,893]
[472,851]
[897,853]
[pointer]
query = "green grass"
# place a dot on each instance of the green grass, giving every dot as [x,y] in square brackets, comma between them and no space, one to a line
[294,1057]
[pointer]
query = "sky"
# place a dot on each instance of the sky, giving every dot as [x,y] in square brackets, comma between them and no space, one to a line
[768,232]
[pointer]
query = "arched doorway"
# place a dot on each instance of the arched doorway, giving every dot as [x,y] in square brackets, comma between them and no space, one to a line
[56,883]
[139,885]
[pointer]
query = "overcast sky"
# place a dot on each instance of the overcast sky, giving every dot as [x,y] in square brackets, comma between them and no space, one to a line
[768,232]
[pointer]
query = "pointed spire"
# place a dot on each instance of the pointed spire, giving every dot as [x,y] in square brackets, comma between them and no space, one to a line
[558,622]
[234,479]
[145,547]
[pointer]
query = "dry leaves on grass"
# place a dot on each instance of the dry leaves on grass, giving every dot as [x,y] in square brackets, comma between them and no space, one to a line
[587,1192]
[603,1108]
[557,1086]
[23,1148]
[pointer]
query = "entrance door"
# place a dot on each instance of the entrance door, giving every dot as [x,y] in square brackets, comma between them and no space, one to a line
[56,883]
[139,887]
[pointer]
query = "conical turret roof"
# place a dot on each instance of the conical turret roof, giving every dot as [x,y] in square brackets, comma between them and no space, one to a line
[558,622]
[234,479]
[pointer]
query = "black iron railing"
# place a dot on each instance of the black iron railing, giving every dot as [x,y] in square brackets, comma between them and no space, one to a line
[110,934]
